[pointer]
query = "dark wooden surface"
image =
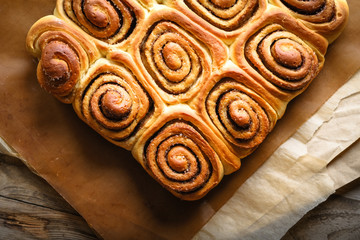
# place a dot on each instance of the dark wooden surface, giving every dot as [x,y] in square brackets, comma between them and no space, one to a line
[336,218]
[31,209]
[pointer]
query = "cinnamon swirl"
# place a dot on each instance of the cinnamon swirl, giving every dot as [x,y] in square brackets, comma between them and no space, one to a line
[238,106]
[176,55]
[111,21]
[327,17]
[225,19]
[281,54]
[190,87]
[64,55]
[113,102]
[181,153]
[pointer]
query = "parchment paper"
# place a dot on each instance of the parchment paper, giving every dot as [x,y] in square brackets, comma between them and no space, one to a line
[301,173]
[103,182]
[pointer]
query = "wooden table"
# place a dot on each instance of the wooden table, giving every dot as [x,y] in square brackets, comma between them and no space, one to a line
[31,209]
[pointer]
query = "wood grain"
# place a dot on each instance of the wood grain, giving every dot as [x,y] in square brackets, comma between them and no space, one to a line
[336,218]
[31,209]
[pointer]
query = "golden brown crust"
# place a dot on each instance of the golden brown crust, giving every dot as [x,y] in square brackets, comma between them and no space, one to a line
[281,54]
[234,103]
[175,55]
[112,100]
[112,22]
[147,3]
[179,140]
[326,17]
[225,19]
[189,86]
[64,55]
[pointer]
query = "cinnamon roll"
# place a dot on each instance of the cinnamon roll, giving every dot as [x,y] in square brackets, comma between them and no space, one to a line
[281,54]
[181,153]
[190,87]
[64,55]
[233,103]
[175,61]
[111,21]
[238,113]
[112,101]
[223,18]
[327,17]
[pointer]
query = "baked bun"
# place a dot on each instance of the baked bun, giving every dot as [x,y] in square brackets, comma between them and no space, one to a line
[190,87]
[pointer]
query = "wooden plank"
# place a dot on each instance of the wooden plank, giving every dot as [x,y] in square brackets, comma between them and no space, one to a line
[20,220]
[31,209]
[336,218]
[18,182]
